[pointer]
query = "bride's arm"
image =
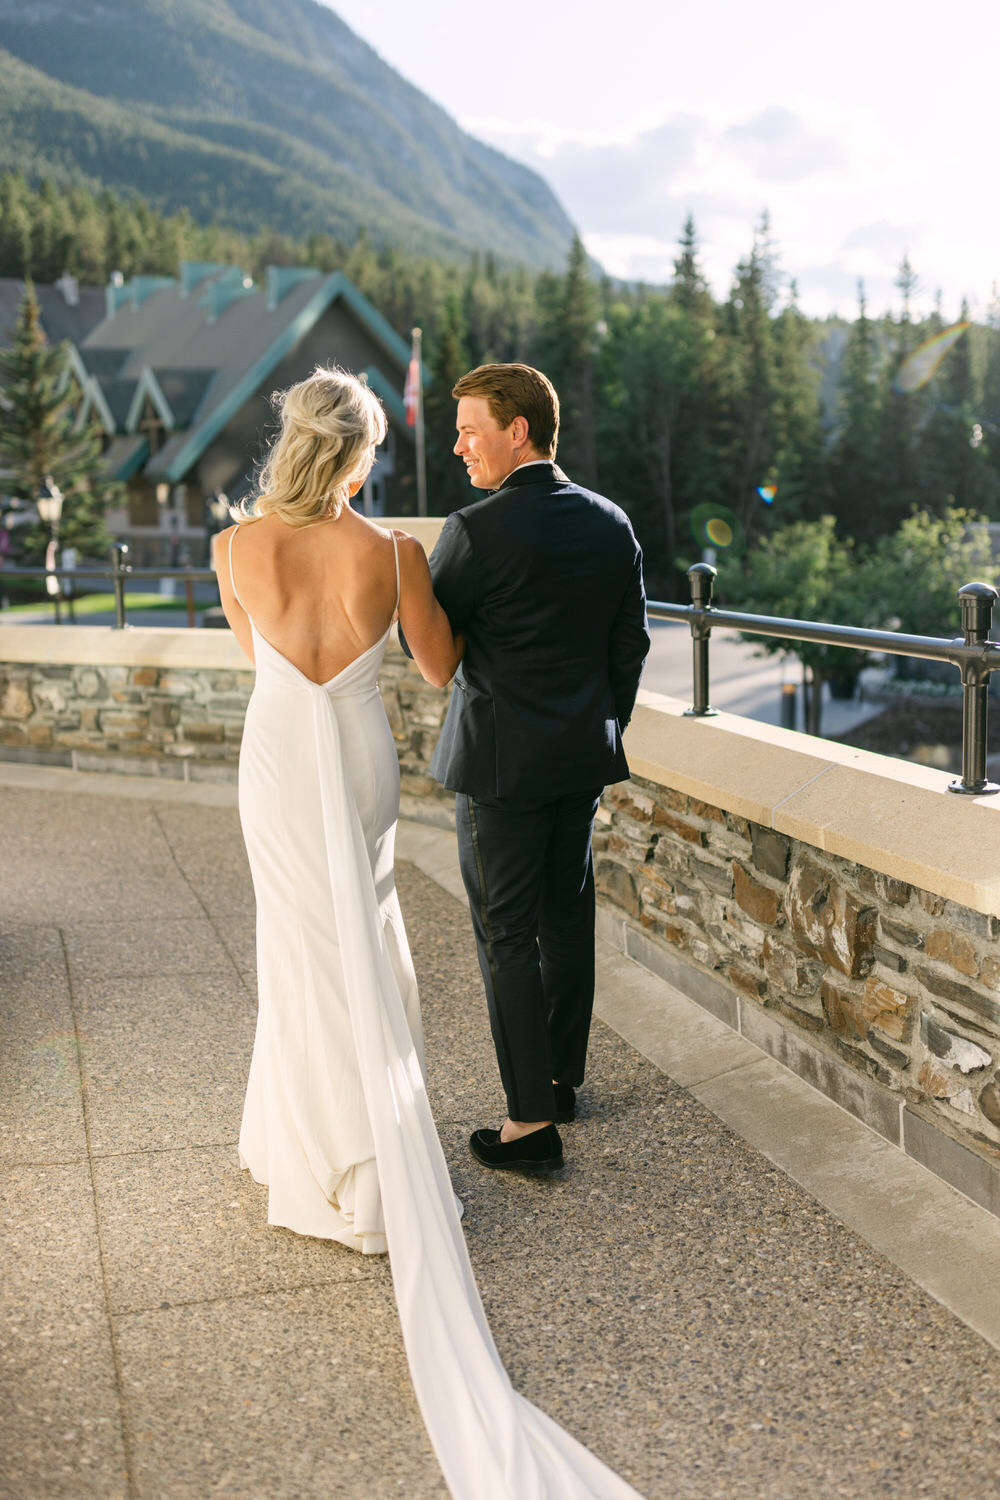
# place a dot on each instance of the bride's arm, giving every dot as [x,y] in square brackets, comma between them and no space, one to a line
[436,650]
[236,616]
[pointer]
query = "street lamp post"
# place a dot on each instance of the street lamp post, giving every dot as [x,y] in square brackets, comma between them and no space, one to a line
[50,504]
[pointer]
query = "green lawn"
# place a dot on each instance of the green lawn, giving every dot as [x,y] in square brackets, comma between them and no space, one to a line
[99,604]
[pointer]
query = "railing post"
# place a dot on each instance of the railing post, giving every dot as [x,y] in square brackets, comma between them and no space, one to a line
[702,577]
[977,600]
[120,570]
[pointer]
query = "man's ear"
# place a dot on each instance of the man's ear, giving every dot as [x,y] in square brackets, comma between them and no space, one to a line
[519,431]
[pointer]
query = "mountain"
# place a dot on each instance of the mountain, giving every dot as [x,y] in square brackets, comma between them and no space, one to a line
[261,116]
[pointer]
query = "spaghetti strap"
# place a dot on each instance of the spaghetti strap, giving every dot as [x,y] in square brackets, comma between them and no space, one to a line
[232,575]
[395,548]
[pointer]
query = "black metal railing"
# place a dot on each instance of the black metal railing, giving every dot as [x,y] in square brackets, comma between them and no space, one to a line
[974,654]
[118,574]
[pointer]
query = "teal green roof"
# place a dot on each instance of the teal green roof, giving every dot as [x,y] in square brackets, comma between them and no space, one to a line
[203,355]
[333,286]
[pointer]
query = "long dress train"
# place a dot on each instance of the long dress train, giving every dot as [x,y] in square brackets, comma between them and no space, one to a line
[337,1122]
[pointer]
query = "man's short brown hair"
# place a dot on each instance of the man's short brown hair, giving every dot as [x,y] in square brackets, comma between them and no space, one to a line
[517,391]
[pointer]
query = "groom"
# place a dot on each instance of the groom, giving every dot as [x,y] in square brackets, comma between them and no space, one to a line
[544,580]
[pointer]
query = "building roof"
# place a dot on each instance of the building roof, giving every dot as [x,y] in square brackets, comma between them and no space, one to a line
[202,346]
[62,318]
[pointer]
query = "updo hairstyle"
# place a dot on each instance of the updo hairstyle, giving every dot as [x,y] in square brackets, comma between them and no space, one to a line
[331,424]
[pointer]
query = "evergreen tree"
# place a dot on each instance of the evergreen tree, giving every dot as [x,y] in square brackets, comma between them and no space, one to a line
[690,289]
[855,475]
[15,226]
[568,346]
[902,413]
[447,486]
[38,440]
[751,376]
[953,456]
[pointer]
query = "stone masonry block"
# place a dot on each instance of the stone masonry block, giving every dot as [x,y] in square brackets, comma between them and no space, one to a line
[51,695]
[894,1056]
[954,949]
[844,1007]
[746,980]
[717,878]
[706,811]
[625,798]
[15,701]
[676,825]
[900,933]
[617,883]
[888,959]
[144,676]
[122,724]
[933,905]
[771,851]
[666,798]
[789,970]
[953,1050]
[989,1102]
[963,995]
[989,972]
[759,901]
[976,922]
[888,1009]
[893,892]
[206,734]
[89,683]
[938,1082]
[829,921]
[176,685]
[164,715]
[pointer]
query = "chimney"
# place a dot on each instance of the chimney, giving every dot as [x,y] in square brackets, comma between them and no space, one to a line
[70,288]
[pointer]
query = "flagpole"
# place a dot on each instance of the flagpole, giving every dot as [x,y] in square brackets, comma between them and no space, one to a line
[421,461]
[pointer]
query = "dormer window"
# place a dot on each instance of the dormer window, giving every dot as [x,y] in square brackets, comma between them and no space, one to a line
[151,426]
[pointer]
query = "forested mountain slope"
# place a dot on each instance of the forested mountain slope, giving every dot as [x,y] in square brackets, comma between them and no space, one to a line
[259,115]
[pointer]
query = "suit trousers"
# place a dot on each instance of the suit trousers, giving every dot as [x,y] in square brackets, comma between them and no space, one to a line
[528,870]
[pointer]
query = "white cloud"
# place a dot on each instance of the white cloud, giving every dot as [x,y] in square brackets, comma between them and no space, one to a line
[779,146]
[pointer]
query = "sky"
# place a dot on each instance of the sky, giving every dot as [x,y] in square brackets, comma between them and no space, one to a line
[866,129]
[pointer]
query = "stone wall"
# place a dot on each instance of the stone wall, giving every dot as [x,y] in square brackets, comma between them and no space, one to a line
[898,983]
[123,717]
[158,711]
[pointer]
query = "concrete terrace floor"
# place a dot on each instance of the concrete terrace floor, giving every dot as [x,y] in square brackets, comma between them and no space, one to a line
[688,1296]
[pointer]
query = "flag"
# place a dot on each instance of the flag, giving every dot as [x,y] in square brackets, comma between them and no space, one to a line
[411,391]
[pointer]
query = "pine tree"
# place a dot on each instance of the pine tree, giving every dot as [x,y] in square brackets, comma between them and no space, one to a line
[951,443]
[752,375]
[447,486]
[38,440]
[568,349]
[854,460]
[902,414]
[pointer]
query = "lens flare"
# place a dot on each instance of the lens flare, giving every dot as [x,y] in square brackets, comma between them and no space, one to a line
[717,527]
[920,366]
[767,493]
[719,532]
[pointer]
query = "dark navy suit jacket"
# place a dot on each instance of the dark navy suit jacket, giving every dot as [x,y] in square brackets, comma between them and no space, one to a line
[544,580]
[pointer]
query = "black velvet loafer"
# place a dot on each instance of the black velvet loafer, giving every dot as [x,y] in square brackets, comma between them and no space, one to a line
[565,1103]
[541,1151]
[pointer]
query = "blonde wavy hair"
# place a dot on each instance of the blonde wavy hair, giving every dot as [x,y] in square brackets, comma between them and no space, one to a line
[331,424]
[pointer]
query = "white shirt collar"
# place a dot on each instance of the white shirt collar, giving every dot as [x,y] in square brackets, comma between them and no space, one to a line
[532,463]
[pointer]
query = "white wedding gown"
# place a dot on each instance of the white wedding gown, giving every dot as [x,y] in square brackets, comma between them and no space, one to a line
[337,1121]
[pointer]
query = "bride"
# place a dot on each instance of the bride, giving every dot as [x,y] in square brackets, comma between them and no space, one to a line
[336,1121]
